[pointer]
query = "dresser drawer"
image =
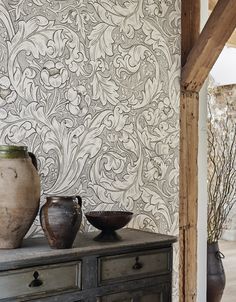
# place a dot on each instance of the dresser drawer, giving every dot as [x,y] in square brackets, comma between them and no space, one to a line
[40,280]
[159,293]
[129,297]
[134,265]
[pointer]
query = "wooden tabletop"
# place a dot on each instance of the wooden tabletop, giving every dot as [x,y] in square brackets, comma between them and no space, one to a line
[36,251]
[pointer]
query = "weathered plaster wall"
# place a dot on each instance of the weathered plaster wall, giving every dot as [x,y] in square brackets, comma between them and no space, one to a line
[223,72]
[92,88]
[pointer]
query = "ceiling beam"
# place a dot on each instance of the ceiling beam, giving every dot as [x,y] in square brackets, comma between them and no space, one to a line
[209,45]
[232,40]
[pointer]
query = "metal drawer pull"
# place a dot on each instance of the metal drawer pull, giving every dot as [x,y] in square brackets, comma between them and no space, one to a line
[138,265]
[36,282]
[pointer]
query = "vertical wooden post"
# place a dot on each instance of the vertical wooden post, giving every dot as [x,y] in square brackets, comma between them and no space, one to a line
[199,53]
[190,26]
[188,195]
[188,162]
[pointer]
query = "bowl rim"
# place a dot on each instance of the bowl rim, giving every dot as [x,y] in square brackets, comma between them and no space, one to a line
[107,213]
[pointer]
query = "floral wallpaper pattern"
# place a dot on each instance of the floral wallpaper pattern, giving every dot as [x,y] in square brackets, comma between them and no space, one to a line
[92,88]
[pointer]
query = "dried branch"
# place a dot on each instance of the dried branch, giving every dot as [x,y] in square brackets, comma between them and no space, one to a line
[221,165]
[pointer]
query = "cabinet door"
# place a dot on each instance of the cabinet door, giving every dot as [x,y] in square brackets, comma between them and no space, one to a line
[145,295]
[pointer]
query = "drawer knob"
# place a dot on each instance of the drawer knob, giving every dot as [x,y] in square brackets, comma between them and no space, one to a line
[36,282]
[138,265]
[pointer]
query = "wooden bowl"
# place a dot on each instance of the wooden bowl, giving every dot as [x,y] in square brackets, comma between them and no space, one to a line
[108,222]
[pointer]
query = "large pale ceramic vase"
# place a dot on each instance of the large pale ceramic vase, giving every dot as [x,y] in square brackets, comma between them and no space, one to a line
[19,194]
[60,219]
[215,273]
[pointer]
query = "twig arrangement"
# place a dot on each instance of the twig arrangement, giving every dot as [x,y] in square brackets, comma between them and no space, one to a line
[221,165]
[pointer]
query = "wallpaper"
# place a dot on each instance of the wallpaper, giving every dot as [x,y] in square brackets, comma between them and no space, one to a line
[92,88]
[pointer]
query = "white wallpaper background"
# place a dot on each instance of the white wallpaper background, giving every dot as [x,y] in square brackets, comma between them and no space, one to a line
[92,88]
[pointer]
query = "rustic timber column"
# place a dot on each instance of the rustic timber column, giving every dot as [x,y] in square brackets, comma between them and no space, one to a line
[188,209]
[189,107]
[190,26]
[198,57]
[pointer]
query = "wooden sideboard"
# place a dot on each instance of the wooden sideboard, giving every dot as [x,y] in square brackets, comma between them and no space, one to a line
[136,269]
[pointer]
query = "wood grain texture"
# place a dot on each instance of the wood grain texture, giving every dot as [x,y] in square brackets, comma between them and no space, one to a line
[232,40]
[209,45]
[197,64]
[188,195]
[188,162]
[190,26]
[212,4]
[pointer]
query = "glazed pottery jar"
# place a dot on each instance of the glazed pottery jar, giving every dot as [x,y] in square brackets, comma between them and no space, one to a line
[19,194]
[60,219]
[215,273]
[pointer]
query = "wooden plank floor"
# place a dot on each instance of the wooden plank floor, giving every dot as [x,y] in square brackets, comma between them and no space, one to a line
[228,248]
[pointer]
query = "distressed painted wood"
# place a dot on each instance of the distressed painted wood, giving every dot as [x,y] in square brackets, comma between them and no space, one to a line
[128,266]
[90,272]
[54,279]
[188,195]
[36,250]
[209,45]
[73,274]
[153,295]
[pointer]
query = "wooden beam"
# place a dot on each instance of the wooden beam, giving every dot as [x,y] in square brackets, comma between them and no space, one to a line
[188,195]
[209,45]
[190,26]
[198,61]
[232,40]
[188,162]
[212,4]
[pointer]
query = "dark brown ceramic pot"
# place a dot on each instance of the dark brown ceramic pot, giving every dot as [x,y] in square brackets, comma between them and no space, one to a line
[215,273]
[60,219]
